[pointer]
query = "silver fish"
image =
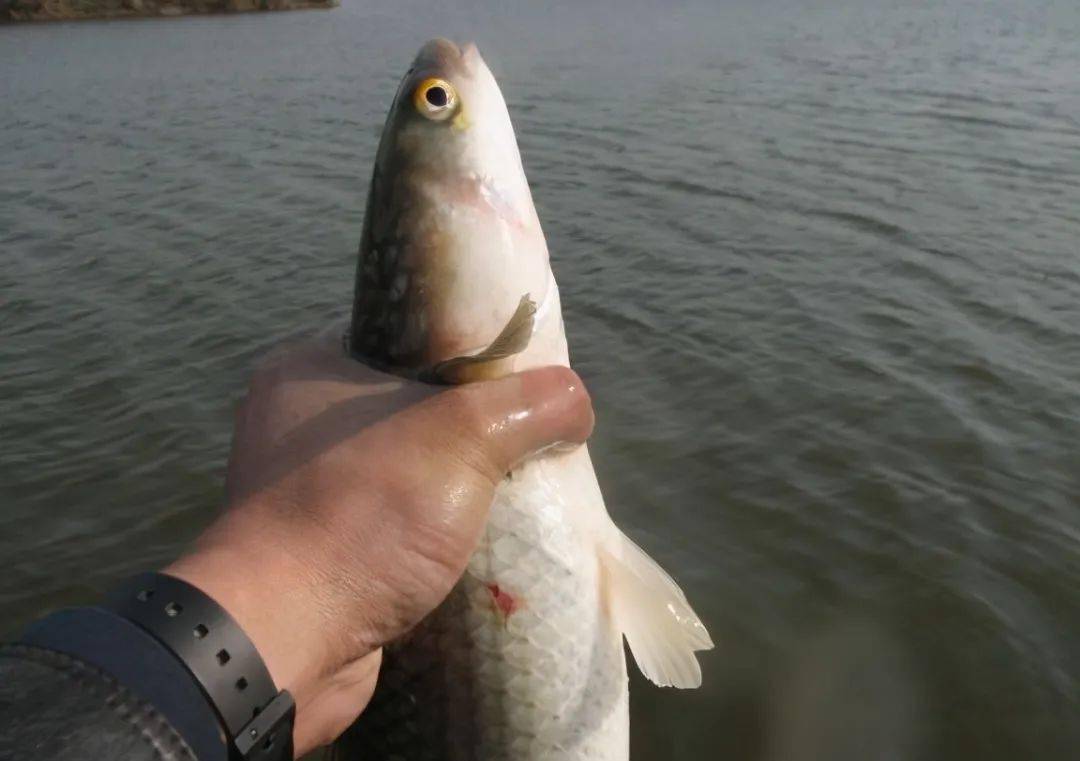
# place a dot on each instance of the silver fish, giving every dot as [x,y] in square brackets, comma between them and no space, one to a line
[524,660]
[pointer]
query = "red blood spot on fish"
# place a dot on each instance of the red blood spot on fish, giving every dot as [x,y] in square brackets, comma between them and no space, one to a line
[505,602]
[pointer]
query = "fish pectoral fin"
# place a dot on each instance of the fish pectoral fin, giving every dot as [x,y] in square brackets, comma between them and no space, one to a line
[659,625]
[512,339]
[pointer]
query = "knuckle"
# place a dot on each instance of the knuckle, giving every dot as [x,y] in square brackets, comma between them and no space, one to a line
[564,376]
[580,402]
[467,411]
[240,411]
[468,435]
[263,378]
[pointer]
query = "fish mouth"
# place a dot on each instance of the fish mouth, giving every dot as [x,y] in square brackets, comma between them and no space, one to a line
[470,54]
[441,54]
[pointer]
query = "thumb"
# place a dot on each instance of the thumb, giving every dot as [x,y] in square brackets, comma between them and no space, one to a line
[493,425]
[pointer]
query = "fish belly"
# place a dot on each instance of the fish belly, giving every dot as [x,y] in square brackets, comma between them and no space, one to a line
[521,661]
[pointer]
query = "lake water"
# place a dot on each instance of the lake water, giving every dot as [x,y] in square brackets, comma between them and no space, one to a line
[820,264]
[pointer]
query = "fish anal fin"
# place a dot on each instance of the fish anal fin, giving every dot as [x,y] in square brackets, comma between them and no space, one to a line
[492,361]
[659,625]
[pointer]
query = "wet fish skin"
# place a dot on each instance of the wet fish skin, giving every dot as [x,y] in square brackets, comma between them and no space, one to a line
[451,240]
[524,659]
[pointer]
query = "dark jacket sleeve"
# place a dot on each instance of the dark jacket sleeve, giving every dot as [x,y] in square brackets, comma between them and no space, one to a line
[55,707]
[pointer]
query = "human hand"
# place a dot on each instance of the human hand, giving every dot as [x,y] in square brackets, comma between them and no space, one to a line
[354,499]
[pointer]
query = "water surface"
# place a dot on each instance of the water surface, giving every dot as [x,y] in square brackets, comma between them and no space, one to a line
[820,264]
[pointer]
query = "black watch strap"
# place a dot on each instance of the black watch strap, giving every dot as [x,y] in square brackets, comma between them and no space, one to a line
[204,637]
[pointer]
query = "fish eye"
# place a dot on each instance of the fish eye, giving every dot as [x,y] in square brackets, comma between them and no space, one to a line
[435,98]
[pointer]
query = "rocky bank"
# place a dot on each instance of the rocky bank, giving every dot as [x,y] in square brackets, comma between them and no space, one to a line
[46,10]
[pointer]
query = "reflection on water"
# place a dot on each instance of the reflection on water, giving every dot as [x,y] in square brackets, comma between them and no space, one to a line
[819,264]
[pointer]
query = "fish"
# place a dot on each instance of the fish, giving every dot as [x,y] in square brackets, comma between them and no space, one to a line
[524,659]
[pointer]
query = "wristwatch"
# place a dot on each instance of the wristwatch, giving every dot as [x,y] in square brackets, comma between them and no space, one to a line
[173,645]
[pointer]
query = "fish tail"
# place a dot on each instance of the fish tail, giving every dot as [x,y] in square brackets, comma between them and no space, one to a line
[659,625]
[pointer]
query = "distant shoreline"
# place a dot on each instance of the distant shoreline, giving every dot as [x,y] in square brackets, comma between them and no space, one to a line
[21,11]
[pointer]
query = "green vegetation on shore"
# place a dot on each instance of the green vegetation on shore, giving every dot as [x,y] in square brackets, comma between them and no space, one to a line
[46,10]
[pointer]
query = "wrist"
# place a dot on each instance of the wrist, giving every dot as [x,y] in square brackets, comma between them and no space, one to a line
[263,601]
[270,597]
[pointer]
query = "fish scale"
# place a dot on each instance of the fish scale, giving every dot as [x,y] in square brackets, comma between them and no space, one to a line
[545,682]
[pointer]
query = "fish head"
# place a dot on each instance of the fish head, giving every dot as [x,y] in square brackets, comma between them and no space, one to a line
[452,243]
[449,119]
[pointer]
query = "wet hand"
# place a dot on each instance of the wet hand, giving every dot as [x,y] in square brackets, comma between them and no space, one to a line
[354,500]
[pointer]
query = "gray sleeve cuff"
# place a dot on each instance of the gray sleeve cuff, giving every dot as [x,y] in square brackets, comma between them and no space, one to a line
[57,707]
